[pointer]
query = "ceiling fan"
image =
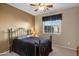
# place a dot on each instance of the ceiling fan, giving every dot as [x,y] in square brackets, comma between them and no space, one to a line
[42,6]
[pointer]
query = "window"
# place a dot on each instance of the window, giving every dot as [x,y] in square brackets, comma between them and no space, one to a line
[52,24]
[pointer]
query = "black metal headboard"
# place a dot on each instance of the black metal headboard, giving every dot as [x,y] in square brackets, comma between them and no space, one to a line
[19,32]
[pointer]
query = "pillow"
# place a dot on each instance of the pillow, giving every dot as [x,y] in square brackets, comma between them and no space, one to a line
[29,35]
[22,37]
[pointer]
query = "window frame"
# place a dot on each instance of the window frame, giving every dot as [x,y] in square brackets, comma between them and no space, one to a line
[51,32]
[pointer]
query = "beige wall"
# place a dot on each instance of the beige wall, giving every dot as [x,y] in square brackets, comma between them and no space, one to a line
[78,26]
[11,17]
[69,29]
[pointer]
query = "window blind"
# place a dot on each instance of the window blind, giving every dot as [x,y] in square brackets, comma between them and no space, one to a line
[52,17]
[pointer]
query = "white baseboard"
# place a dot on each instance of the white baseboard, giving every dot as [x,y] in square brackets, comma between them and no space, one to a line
[4,52]
[67,47]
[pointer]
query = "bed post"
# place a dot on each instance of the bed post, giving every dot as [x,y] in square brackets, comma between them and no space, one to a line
[50,38]
[50,41]
[39,47]
[10,39]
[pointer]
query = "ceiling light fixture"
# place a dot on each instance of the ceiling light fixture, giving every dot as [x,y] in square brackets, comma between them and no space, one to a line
[42,6]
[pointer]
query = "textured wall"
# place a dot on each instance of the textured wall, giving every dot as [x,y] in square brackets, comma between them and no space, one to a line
[11,17]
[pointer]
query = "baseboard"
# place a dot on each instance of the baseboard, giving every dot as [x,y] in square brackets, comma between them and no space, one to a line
[4,52]
[67,47]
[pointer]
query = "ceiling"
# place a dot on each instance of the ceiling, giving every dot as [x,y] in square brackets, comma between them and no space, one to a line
[29,9]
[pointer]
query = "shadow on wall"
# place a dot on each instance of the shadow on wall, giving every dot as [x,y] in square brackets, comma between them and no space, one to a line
[4,43]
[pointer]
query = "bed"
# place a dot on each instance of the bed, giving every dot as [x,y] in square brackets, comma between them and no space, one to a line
[26,45]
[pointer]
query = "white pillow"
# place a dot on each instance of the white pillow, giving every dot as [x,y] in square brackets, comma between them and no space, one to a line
[22,37]
[29,36]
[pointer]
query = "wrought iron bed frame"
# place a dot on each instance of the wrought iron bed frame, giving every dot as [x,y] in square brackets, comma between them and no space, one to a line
[22,32]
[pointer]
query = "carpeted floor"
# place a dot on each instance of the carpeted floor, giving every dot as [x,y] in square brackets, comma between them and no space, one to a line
[57,51]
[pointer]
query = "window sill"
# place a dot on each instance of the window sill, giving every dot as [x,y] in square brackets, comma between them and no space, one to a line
[53,33]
